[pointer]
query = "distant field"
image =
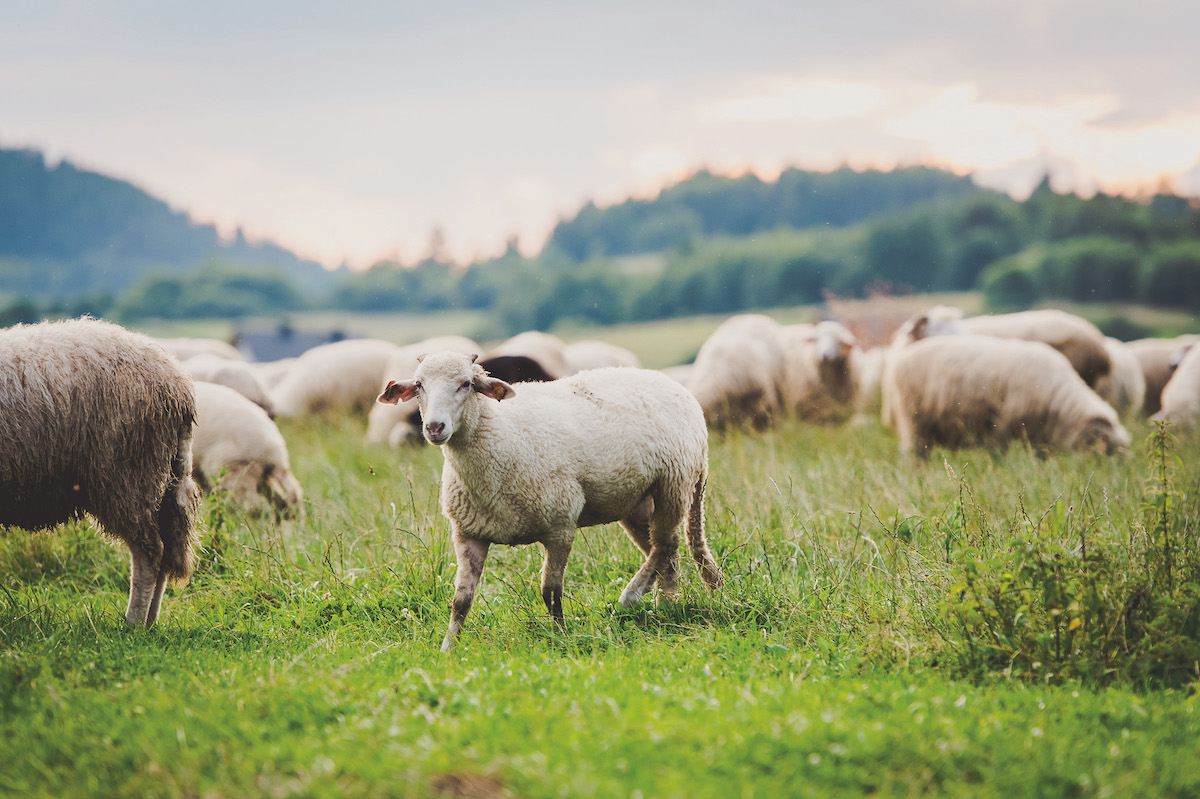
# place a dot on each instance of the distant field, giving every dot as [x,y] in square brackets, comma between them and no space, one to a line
[846,656]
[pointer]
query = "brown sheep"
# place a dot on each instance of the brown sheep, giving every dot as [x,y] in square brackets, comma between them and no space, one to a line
[98,420]
[957,391]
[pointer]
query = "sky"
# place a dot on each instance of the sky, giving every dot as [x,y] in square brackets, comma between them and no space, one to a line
[350,131]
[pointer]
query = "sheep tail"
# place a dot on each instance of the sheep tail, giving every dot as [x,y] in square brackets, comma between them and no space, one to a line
[178,512]
[709,570]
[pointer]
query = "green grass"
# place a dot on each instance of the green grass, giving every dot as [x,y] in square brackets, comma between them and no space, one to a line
[841,659]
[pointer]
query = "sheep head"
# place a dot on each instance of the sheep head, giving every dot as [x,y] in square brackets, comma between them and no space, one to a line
[442,384]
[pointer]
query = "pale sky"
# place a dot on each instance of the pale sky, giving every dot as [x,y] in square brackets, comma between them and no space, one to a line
[350,130]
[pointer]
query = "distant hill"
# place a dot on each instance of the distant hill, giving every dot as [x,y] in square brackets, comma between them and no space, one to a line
[66,231]
[708,205]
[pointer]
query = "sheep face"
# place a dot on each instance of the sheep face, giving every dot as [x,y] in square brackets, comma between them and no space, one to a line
[443,385]
[1105,435]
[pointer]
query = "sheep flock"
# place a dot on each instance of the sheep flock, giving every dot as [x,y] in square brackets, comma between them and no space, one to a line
[539,436]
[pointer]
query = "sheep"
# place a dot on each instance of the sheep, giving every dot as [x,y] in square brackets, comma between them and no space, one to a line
[515,369]
[680,373]
[96,419]
[545,348]
[818,383]
[941,320]
[1125,387]
[237,375]
[737,374]
[342,376]
[397,424]
[1158,358]
[271,373]
[1074,337]
[618,444]
[235,437]
[1181,395]
[958,391]
[867,367]
[186,348]
[589,354]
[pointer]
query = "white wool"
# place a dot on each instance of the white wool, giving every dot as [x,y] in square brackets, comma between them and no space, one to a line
[340,377]
[589,354]
[545,348]
[235,436]
[1181,395]
[185,348]
[238,375]
[738,372]
[818,382]
[1125,387]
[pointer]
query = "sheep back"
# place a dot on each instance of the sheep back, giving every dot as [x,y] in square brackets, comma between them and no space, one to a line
[98,420]
[738,371]
[1078,339]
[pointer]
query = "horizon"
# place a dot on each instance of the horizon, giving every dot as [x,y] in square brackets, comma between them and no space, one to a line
[352,133]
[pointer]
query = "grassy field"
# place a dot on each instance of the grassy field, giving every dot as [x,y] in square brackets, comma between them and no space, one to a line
[854,650]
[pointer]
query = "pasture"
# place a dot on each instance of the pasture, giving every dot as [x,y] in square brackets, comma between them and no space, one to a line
[888,628]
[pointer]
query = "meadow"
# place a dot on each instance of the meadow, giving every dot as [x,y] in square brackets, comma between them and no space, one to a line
[976,624]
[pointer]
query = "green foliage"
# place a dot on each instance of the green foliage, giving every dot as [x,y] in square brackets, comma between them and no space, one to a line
[1056,599]
[217,290]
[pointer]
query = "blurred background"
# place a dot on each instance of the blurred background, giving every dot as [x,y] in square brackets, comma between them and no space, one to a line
[319,170]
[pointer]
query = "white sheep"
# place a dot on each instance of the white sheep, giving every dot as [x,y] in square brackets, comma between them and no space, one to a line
[818,382]
[398,424]
[1158,358]
[1076,338]
[342,376]
[545,348]
[738,372]
[1181,395]
[590,354]
[237,443]
[626,445]
[1125,386]
[941,320]
[237,375]
[957,391]
[184,348]
[95,419]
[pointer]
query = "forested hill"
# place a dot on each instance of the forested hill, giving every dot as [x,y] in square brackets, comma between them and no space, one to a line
[65,231]
[708,205]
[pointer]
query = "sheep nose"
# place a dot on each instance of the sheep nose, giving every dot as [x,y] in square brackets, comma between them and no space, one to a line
[435,429]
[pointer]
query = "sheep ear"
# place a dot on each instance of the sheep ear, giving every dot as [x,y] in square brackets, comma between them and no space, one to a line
[398,392]
[493,387]
[919,326]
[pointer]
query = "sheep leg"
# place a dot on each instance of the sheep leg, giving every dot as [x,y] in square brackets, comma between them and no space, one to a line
[143,577]
[709,570]
[554,570]
[661,562]
[471,554]
[156,598]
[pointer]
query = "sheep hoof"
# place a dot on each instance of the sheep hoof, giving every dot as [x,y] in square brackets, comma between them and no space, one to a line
[448,643]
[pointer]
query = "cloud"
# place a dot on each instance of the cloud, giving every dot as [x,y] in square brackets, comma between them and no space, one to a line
[812,99]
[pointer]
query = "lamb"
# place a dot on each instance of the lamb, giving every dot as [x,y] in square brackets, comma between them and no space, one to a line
[98,420]
[619,444]
[1074,337]
[545,348]
[186,348]
[237,375]
[1181,395]
[589,354]
[397,424]
[339,377]
[957,391]
[235,437]
[1125,387]
[818,383]
[737,374]
[1158,358]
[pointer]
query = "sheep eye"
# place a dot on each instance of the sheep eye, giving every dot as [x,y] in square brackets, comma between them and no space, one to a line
[465,386]
[417,384]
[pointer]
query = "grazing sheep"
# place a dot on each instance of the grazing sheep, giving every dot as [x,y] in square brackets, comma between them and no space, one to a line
[515,369]
[941,320]
[95,419]
[1181,395]
[271,373]
[342,376]
[1078,339]
[737,374]
[398,424]
[588,354]
[235,436]
[186,348]
[1158,358]
[237,375]
[606,445]
[818,382]
[545,348]
[958,391]
[1125,387]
